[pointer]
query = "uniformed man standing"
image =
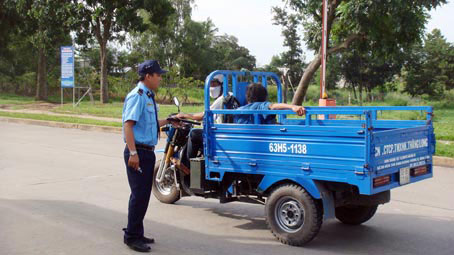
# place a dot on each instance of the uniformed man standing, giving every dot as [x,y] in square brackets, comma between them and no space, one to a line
[140,131]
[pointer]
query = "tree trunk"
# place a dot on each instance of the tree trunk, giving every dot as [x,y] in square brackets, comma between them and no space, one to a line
[285,91]
[354,92]
[361,94]
[41,85]
[104,98]
[313,66]
[305,80]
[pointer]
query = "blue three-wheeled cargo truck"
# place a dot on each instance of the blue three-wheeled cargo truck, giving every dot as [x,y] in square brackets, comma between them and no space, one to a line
[337,162]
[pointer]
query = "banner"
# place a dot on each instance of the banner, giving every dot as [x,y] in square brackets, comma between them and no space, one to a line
[67,66]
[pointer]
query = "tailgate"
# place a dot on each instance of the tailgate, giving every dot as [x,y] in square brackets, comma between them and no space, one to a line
[399,156]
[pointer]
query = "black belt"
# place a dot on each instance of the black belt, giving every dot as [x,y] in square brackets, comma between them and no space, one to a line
[145,147]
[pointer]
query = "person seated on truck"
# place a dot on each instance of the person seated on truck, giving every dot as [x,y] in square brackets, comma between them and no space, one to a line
[195,140]
[256,97]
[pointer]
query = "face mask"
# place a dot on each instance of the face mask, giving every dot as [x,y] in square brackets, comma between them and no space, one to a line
[215,92]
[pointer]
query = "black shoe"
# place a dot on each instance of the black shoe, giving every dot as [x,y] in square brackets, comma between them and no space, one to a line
[138,245]
[147,240]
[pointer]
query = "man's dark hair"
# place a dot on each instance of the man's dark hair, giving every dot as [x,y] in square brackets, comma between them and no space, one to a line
[142,78]
[256,93]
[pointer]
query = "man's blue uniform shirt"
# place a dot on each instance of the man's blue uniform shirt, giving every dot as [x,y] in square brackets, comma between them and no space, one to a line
[249,119]
[139,107]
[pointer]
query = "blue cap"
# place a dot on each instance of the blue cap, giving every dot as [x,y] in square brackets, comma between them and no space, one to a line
[149,67]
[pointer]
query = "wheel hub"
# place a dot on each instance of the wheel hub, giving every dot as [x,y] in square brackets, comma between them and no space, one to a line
[165,186]
[289,214]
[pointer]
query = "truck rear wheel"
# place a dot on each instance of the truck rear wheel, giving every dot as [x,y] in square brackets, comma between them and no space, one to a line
[293,216]
[355,214]
[165,191]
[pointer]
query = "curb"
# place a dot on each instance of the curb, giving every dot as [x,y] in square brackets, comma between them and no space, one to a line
[437,160]
[443,161]
[62,125]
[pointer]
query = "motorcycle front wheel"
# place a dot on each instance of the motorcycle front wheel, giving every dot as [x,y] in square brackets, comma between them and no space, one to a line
[166,190]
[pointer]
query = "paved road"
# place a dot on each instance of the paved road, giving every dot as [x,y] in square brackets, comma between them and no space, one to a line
[64,191]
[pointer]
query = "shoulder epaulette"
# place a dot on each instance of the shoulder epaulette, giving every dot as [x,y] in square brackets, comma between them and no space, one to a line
[148,94]
[140,91]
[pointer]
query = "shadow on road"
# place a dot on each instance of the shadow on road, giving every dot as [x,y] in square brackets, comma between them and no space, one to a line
[51,227]
[397,233]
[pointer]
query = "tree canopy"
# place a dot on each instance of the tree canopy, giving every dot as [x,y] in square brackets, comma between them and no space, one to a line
[387,27]
[430,66]
[106,20]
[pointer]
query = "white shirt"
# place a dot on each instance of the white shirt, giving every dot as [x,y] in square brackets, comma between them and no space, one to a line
[218,104]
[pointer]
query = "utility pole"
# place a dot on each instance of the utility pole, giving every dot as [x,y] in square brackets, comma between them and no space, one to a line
[324,101]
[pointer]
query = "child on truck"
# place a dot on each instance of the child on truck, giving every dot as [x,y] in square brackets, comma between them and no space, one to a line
[256,97]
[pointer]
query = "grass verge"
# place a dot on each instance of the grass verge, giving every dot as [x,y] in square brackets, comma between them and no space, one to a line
[11,99]
[445,150]
[64,119]
[114,110]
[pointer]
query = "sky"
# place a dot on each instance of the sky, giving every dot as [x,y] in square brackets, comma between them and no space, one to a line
[251,22]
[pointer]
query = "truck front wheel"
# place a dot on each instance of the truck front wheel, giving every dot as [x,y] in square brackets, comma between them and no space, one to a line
[293,216]
[355,214]
[165,191]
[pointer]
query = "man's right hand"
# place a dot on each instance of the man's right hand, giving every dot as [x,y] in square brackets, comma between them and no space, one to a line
[134,161]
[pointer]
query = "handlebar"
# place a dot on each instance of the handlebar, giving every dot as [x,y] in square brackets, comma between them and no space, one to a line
[184,121]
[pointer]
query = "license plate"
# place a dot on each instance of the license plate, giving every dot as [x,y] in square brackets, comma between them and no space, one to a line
[404,176]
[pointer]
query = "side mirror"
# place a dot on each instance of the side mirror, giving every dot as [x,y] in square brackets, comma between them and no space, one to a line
[177,103]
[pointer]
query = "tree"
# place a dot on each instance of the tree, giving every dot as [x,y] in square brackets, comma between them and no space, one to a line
[108,20]
[430,68]
[46,24]
[230,55]
[190,46]
[9,22]
[195,54]
[365,70]
[386,26]
[293,58]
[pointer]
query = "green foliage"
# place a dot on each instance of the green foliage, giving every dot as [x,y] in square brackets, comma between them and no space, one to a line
[106,20]
[230,55]
[190,45]
[175,84]
[430,69]
[397,99]
[293,58]
[386,27]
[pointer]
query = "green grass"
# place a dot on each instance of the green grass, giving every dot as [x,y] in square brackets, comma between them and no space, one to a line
[443,120]
[445,150]
[114,110]
[64,119]
[11,99]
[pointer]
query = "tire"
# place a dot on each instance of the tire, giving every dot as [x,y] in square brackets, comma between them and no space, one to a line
[167,192]
[292,215]
[355,214]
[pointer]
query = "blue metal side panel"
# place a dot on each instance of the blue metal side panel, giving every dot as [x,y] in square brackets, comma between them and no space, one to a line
[301,154]
[240,92]
[401,148]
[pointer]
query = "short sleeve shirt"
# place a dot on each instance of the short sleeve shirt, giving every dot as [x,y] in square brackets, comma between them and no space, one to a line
[248,118]
[218,104]
[139,106]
